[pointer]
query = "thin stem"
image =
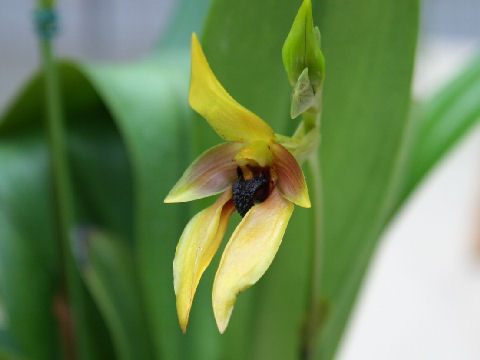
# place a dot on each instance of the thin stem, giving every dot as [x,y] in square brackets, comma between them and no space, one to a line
[56,144]
[314,316]
[63,199]
[317,228]
[310,121]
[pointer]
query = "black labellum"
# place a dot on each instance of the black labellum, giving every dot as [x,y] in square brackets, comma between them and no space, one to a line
[247,193]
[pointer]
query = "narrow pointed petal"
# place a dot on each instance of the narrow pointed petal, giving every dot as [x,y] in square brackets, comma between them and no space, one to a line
[212,172]
[227,117]
[249,253]
[290,179]
[197,246]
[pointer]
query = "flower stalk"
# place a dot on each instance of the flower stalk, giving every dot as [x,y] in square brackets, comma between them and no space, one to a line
[314,314]
[305,67]
[69,282]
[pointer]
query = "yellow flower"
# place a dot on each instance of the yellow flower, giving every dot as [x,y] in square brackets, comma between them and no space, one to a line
[256,175]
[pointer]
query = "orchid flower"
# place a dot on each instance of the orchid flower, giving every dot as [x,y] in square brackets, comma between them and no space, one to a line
[256,175]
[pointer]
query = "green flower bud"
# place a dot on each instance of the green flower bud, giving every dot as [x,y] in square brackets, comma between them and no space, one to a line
[302,49]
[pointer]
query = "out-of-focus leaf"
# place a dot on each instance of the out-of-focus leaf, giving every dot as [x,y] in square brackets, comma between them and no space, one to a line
[32,326]
[109,271]
[27,259]
[188,16]
[148,106]
[437,125]
[8,347]
[26,166]
[5,355]
[148,101]
[7,351]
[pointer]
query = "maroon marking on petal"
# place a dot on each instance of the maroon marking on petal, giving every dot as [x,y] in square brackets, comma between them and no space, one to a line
[290,180]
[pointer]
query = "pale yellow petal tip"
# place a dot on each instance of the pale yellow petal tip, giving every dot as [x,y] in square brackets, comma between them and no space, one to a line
[222,318]
[183,326]
[184,304]
[183,319]
[173,197]
[304,200]
[194,38]
[169,199]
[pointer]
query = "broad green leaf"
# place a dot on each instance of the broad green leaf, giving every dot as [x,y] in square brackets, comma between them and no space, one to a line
[148,101]
[32,211]
[437,125]
[109,270]
[7,351]
[5,355]
[365,104]
[149,108]
[188,17]
[366,99]
[30,319]
[8,347]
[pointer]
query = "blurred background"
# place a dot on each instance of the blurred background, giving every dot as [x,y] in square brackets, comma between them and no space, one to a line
[421,297]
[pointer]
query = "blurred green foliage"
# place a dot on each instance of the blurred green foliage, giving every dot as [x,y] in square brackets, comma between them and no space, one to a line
[130,136]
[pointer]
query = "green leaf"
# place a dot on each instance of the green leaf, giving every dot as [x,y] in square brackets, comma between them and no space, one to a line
[148,102]
[188,17]
[109,271]
[366,97]
[5,355]
[119,184]
[6,350]
[27,258]
[33,329]
[437,125]
[8,347]
[31,211]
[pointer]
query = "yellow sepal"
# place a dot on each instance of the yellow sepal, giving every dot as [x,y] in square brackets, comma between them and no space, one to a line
[227,117]
[249,253]
[197,246]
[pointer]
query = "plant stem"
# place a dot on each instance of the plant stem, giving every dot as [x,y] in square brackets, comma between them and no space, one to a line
[314,314]
[63,200]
